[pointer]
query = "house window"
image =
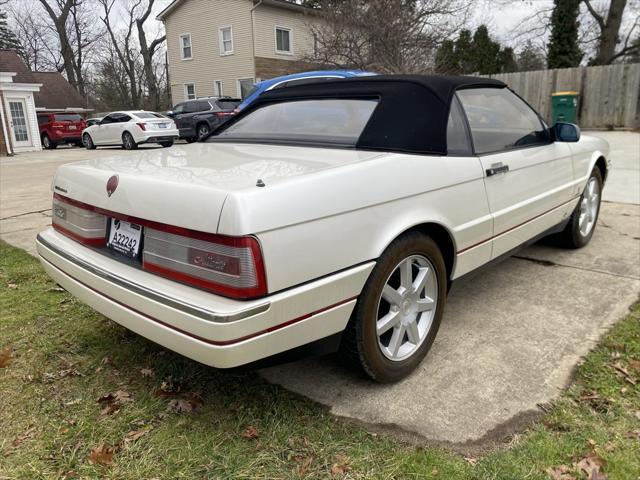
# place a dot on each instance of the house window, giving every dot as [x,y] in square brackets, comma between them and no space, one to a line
[226,41]
[217,88]
[185,46]
[283,40]
[244,87]
[189,91]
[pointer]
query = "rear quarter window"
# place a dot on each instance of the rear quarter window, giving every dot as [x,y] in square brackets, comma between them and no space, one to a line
[227,104]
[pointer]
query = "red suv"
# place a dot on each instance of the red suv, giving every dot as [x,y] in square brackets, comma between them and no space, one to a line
[58,128]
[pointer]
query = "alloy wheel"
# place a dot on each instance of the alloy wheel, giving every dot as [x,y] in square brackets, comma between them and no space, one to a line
[406,308]
[589,207]
[203,131]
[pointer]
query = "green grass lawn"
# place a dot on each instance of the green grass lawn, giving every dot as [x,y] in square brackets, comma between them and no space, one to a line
[169,417]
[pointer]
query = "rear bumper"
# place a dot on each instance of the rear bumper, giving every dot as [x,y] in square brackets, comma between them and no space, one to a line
[213,330]
[61,137]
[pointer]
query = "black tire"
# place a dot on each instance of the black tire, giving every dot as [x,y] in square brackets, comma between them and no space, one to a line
[359,346]
[572,236]
[128,142]
[78,144]
[48,143]
[88,142]
[191,139]
[202,131]
[166,144]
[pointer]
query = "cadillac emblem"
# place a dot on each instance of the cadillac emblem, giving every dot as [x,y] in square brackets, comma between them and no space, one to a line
[112,184]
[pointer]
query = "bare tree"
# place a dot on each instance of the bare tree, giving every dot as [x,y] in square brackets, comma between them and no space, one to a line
[39,41]
[148,51]
[393,36]
[609,32]
[77,34]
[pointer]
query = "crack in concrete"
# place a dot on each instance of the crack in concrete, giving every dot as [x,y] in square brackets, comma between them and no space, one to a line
[25,213]
[549,263]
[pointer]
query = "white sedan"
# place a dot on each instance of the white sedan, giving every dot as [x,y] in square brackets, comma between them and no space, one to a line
[129,129]
[335,215]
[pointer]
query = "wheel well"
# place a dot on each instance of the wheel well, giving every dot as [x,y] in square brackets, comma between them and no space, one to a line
[202,122]
[443,239]
[601,163]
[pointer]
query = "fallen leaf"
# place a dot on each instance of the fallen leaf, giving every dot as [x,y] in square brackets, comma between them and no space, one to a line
[134,435]
[590,464]
[303,468]
[26,435]
[181,405]
[12,285]
[55,289]
[250,432]
[101,455]
[146,372]
[167,389]
[561,472]
[5,357]
[112,402]
[635,365]
[340,467]
[471,460]
[622,372]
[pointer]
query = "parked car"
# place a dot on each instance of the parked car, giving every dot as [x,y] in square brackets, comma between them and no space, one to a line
[93,121]
[197,118]
[338,214]
[294,79]
[60,127]
[130,129]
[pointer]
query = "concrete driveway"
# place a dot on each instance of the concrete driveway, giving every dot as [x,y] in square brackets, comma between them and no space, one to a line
[510,336]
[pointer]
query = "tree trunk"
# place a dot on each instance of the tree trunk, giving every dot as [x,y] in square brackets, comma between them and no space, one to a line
[609,30]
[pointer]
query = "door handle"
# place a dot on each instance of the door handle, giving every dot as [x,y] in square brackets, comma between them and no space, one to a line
[497,168]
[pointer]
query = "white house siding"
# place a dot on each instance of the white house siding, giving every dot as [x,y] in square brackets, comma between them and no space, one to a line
[266,18]
[202,19]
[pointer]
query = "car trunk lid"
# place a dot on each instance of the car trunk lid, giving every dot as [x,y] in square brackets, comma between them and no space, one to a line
[186,186]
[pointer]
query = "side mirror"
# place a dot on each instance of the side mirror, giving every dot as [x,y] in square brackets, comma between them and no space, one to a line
[170,113]
[566,132]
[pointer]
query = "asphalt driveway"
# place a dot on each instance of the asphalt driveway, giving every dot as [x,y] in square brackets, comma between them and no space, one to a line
[510,336]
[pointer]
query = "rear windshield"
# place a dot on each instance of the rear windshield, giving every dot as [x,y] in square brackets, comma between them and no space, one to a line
[67,117]
[147,115]
[326,121]
[227,104]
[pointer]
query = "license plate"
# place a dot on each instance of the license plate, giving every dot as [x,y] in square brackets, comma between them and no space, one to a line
[72,127]
[124,237]
[163,125]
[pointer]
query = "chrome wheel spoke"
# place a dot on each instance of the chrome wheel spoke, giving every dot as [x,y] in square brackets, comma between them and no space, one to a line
[390,320]
[425,304]
[392,295]
[413,333]
[421,279]
[396,340]
[406,274]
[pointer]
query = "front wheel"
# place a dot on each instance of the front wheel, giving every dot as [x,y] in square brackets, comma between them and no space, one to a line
[88,142]
[582,223]
[398,313]
[48,143]
[128,142]
[203,131]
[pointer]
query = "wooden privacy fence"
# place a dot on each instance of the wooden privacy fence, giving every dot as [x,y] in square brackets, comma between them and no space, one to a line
[609,94]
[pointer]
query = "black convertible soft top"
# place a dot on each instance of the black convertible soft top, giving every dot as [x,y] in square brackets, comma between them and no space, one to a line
[412,111]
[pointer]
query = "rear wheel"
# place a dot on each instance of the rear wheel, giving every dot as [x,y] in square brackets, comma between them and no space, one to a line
[167,144]
[128,142]
[202,130]
[582,223]
[399,310]
[48,143]
[88,142]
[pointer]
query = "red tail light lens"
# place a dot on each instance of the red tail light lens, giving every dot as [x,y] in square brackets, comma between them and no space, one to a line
[230,266]
[143,126]
[78,221]
[223,114]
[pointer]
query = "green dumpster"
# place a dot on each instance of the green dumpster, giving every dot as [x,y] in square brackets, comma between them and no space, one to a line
[564,107]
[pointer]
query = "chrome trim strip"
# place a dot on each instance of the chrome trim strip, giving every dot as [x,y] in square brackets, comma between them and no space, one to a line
[191,309]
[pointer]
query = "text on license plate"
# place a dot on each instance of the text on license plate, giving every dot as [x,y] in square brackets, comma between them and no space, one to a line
[163,125]
[72,127]
[124,237]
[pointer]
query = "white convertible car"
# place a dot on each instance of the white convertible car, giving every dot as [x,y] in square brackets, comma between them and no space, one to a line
[336,214]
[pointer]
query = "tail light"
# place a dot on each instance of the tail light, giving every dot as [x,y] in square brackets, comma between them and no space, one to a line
[78,221]
[57,125]
[143,126]
[223,114]
[230,266]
